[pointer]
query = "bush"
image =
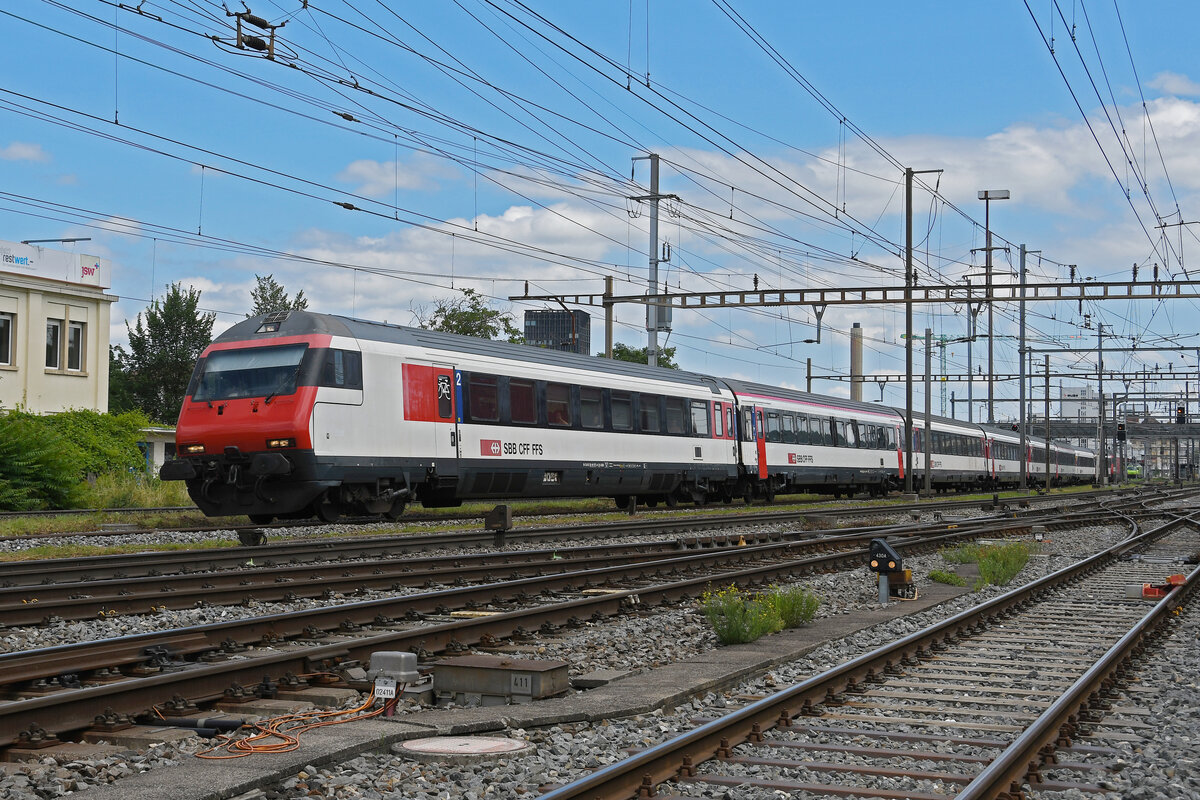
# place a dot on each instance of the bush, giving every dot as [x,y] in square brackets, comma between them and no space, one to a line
[38,468]
[737,617]
[107,442]
[796,606]
[951,578]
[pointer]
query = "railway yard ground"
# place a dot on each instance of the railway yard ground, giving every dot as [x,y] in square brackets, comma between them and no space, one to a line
[653,671]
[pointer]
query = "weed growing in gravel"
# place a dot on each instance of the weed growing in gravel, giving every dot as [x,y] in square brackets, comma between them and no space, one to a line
[795,605]
[998,563]
[951,578]
[738,617]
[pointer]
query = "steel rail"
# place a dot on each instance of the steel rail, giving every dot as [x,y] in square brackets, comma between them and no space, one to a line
[672,758]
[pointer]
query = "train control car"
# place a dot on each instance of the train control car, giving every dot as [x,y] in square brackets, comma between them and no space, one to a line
[297,414]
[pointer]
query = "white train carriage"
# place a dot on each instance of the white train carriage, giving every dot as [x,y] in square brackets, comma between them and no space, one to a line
[794,441]
[957,454]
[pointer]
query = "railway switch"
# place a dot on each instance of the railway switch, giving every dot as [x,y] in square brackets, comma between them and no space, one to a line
[1150,591]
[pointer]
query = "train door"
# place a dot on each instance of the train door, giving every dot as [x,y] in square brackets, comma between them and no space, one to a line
[760,439]
[433,396]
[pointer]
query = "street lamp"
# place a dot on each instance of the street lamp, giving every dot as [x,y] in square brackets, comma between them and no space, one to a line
[987,196]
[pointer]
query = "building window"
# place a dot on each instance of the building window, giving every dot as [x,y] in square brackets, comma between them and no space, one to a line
[75,346]
[6,339]
[53,343]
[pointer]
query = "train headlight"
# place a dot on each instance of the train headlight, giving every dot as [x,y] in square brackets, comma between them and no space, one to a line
[276,443]
[191,449]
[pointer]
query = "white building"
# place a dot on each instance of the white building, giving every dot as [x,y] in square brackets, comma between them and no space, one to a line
[54,317]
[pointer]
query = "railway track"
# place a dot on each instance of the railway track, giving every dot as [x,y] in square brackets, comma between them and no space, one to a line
[259,533]
[976,706]
[62,689]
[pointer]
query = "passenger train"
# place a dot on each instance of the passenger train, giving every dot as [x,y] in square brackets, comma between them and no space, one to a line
[296,414]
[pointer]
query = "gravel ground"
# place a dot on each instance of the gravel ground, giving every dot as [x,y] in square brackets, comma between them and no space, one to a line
[563,753]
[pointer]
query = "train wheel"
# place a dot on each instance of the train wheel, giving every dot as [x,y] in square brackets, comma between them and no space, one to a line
[327,509]
[652,502]
[672,501]
[396,511]
[262,519]
[622,501]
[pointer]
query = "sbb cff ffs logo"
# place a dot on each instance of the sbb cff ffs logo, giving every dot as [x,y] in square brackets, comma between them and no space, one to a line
[489,447]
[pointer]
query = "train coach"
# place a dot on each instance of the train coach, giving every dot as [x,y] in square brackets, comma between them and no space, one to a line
[296,414]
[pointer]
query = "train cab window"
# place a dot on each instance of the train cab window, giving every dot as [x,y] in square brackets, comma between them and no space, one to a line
[648,410]
[591,407]
[774,432]
[558,405]
[251,372]
[483,397]
[676,418]
[522,401]
[700,418]
[789,428]
[622,411]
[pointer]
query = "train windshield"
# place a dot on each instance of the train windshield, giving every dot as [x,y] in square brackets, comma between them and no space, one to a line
[250,372]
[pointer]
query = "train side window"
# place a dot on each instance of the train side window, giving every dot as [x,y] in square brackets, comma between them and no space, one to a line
[774,432]
[747,425]
[445,400]
[802,434]
[522,399]
[822,433]
[851,434]
[789,428]
[700,418]
[622,411]
[558,405]
[342,368]
[483,397]
[676,418]
[648,414]
[591,408]
[729,422]
[718,421]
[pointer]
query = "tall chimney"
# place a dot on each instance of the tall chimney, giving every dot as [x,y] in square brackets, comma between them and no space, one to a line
[856,374]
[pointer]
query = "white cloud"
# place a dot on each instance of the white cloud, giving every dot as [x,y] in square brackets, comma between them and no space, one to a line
[1174,84]
[382,178]
[24,151]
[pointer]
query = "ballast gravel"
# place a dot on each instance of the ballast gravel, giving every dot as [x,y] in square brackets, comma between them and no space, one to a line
[635,643]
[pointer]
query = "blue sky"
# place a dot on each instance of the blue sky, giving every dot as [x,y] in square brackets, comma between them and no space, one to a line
[490,143]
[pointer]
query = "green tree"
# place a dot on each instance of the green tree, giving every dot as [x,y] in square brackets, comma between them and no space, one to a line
[269,295]
[469,315]
[637,355]
[163,352]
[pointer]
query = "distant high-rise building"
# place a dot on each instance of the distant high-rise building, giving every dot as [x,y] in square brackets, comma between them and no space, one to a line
[559,330]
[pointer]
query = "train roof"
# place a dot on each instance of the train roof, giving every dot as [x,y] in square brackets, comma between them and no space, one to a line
[302,323]
[751,388]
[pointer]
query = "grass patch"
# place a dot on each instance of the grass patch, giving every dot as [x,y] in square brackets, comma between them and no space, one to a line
[134,490]
[951,578]
[738,616]
[795,605]
[79,550]
[998,563]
